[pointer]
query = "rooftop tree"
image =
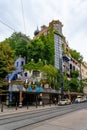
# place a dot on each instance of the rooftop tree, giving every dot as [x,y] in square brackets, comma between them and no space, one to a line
[35,50]
[51,74]
[76,55]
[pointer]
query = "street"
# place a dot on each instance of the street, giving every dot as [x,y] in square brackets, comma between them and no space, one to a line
[64,117]
[72,121]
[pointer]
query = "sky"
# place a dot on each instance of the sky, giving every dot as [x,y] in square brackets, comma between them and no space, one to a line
[25,15]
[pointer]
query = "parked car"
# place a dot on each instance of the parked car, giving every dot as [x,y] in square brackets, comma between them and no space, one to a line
[64,102]
[79,100]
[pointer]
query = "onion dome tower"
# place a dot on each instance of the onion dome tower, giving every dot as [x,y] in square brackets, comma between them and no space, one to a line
[36,31]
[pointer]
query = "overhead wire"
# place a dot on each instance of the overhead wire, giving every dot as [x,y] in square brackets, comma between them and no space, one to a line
[23,16]
[5,24]
[10,27]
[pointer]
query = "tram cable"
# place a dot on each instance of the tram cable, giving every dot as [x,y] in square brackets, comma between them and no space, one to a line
[22,9]
[5,24]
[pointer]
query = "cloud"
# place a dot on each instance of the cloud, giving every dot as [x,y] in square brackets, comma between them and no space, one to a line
[72,13]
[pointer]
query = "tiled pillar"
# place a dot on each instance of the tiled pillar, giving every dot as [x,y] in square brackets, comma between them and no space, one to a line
[20,99]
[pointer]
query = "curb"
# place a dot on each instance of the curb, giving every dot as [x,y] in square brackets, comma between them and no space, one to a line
[23,110]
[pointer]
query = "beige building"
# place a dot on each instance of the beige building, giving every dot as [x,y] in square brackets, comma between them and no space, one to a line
[84,74]
[84,70]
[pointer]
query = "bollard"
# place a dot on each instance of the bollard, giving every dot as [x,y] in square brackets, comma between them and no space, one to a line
[43,104]
[16,105]
[50,102]
[36,100]
[2,107]
[27,105]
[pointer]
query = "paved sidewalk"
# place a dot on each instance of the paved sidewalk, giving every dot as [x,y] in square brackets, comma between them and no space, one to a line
[10,110]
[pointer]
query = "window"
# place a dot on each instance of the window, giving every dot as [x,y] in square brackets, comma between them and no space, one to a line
[22,62]
[36,73]
[70,66]
[17,64]
[25,74]
[73,67]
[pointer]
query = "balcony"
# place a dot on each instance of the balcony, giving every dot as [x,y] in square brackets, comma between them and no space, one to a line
[66,58]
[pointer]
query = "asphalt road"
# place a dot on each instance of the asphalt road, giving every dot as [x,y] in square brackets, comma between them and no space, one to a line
[25,120]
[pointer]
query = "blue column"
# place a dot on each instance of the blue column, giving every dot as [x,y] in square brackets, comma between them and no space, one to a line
[10,95]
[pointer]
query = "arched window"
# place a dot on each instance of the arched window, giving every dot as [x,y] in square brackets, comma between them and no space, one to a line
[70,66]
[73,67]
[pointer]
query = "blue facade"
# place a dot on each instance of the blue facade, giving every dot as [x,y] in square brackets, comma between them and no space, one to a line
[18,64]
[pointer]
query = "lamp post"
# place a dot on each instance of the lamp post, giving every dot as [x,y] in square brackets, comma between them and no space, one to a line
[10,89]
[36,99]
[41,99]
[26,83]
[20,96]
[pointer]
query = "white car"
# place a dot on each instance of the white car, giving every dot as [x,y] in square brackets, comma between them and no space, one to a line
[64,102]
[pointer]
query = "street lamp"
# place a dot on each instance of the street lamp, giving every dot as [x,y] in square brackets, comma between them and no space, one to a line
[10,89]
[26,83]
[41,99]
[20,96]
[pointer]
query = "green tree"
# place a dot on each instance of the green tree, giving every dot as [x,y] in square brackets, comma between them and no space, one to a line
[52,75]
[6,62]
[48,42]
[76,55]
[74,85]
[21,48]
[82,84]
[18,42]
[74,74]
[66,83]
[35,50]
[33,66]
[51,42]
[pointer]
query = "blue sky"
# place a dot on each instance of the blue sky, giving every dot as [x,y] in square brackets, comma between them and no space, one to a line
[72,13]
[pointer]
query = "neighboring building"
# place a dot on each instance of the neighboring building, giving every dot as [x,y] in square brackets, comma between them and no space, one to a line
[84,74]
[74,65]
[70,64]
[84,70]
[66,65]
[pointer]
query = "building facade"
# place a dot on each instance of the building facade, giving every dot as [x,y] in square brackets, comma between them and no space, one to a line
[56,26]
[20,61]
[84,70]
[84,75]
